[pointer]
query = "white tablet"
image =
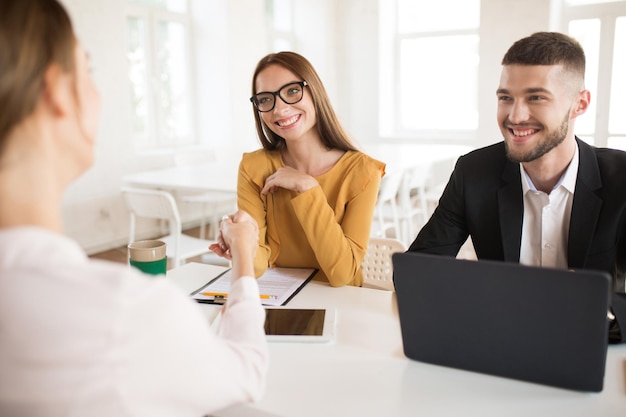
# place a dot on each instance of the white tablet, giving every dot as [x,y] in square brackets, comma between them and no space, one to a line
[283,324]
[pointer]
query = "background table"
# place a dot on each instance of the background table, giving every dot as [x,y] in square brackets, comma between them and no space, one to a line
[365,373]
[221,175]
[215,176]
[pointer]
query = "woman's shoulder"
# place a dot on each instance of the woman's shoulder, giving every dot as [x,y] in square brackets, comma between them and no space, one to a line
[358,160]
[261,160]
[357,171]
[257,165]
[260,155]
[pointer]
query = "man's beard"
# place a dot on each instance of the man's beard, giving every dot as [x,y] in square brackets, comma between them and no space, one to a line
[551,141]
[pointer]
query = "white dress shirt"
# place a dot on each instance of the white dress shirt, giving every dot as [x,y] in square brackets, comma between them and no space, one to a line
[545,228]
[86,338]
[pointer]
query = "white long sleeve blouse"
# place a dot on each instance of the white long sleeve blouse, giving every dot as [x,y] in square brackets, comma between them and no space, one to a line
[80,337]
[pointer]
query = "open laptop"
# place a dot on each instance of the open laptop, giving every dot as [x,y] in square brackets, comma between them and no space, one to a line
[541,325]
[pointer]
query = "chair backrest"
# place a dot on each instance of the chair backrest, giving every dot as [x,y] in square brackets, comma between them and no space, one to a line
[161,205]
[377,267]
[153,204]
[390,186]
[440,171]
[413,210]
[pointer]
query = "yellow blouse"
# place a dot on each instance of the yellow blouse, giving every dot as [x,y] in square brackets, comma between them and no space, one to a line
[326,227]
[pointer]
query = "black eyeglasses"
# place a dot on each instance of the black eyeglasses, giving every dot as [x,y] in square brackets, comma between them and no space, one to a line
[289,93]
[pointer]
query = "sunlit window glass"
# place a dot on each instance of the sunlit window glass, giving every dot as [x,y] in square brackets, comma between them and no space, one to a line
[429,87]
[436,65]
[137,73]
[587,32]
[617,143]
[425,16]
[600,26]
[617,113]
[159,73]
[173,98]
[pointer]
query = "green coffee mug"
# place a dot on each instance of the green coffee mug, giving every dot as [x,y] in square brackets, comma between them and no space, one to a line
[149,256]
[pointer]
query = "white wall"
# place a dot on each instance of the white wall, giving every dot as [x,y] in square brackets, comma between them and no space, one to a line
[92,213]
[356,26]
[340,38]
[502,22]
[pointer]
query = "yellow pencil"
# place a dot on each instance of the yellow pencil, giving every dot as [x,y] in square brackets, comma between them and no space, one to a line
[215,294]
[225,295]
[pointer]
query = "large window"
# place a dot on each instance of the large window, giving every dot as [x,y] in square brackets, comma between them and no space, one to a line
[159,73]
[600,26]
[429,68]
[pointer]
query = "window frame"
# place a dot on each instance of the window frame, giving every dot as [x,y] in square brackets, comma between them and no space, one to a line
[152,15]
[390,123]
[607,13]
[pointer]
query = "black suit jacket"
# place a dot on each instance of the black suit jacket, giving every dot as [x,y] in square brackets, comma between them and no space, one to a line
[484,200]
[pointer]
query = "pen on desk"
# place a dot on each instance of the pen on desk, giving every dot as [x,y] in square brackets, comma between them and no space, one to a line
[215,294]
[269,297]
[224,295]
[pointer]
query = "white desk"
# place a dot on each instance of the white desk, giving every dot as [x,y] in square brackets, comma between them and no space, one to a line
[364,372]
[216,176]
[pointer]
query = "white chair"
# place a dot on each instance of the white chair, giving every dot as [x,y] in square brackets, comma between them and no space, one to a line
[213,204]
[413,213]
[440,171]
[157,204]
[386,216]
[377,267]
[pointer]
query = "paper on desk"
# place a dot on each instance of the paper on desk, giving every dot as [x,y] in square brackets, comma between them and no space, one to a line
[276,286]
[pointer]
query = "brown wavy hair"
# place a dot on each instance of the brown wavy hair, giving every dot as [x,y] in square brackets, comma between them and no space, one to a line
[330,130]
[33,35]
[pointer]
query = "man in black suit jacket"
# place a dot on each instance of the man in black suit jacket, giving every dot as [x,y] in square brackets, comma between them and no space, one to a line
[542,196]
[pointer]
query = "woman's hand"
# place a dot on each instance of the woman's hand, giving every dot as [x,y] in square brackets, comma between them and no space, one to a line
[238,241]
[290,179]
[238,232]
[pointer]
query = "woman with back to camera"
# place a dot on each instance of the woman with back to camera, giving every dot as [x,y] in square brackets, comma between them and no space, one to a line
[82,337]
[309,189]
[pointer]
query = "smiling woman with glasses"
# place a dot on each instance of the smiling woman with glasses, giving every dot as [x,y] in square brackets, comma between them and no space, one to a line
[309,189]
[289,93]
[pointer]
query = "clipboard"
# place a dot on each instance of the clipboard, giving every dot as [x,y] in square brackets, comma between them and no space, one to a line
[276,286]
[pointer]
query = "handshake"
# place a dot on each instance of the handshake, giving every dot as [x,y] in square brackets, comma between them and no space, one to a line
[237,241]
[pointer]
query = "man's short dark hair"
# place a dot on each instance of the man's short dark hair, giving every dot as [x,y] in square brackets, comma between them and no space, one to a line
[548,48]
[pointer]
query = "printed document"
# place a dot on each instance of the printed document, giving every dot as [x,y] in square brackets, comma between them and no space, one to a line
[276,286]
